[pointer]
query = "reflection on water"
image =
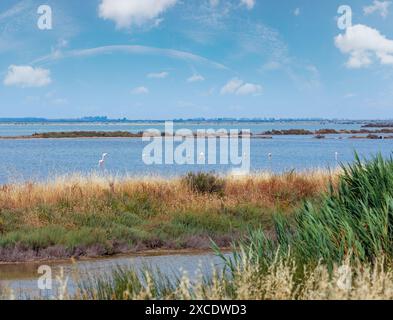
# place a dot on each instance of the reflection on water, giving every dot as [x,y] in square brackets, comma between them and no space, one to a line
[22,278]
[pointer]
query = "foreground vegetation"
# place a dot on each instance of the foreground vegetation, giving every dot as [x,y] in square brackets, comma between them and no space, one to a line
[281,281]
[339,248]
[333,244]
[94,216]
[354,218]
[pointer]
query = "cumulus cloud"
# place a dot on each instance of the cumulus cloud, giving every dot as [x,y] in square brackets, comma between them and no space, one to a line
[27,76]
[140,90]
[249,88]
[195,78]
[126,13]
[158,75]
[248,3]
[382,7]
[364,45]
[231,86]
[239,87]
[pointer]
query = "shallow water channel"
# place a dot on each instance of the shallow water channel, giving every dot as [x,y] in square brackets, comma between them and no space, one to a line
[23,278]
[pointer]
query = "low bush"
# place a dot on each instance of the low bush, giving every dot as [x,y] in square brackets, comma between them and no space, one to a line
[207,183]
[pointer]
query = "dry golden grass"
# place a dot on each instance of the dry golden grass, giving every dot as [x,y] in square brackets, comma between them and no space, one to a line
[142,213]
[264,188]
[280,282]
[345,282]
[172,201]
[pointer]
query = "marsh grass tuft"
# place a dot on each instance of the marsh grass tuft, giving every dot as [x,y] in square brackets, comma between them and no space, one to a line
[280,281]
[205,183]
[354,218]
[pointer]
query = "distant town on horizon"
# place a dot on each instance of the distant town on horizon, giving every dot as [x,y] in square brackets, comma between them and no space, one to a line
[105,119]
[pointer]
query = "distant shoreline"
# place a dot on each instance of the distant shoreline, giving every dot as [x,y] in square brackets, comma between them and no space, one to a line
[318,134]
[106,119]
[125,121]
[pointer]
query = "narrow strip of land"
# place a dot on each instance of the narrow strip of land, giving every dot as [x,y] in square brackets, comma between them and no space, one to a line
[319,134]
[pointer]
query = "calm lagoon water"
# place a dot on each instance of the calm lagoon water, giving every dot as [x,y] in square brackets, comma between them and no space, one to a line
[22,278]
[40,159]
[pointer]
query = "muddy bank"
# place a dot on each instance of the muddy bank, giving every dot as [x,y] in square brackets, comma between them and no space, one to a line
[126,134]
[321,132]
[372,137]
[378,125]
[22,254]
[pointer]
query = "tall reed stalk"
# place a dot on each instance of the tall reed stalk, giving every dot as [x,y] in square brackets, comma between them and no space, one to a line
[353,219]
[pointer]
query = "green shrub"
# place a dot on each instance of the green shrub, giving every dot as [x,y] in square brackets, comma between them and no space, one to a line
[206,183]
[35,238]
[204,222]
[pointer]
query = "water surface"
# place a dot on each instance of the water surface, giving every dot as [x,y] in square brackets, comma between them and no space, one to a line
[40,159]
[22,278]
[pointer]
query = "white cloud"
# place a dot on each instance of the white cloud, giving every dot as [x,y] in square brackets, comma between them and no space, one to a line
[249,88]
[248,3]
[364,45]
[140,90]
[378,6]
[297,12]
[232,86]
[158,75]
[239,87]
[195,78]
[126,13]
[27,76]
[132,49]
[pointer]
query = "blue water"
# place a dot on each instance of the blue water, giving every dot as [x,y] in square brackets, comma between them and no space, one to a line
[22,278]
[38,159]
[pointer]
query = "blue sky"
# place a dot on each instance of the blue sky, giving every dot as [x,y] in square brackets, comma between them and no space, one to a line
[164,59]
